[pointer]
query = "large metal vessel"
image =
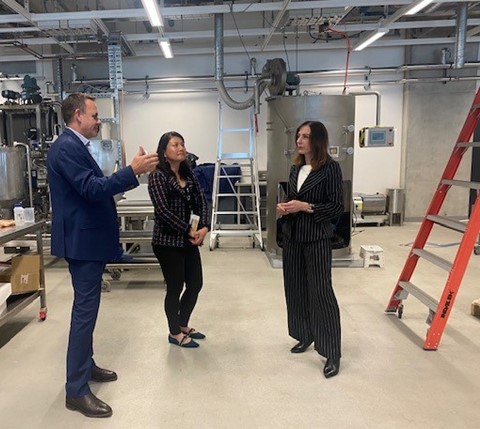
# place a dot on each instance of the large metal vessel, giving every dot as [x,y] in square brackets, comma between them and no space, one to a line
[285,114]
[12,176]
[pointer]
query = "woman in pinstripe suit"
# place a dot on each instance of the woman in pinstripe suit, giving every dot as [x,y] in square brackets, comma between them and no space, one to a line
[315,197]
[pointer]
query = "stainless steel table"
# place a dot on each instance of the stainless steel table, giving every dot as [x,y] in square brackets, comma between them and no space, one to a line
[127,209]
[21,301]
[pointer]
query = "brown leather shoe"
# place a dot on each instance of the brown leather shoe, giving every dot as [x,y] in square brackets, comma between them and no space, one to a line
[89,405]
[102,375]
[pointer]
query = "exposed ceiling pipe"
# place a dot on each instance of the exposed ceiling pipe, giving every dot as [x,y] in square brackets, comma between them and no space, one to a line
[460,35]
[330,85]
[302,74]
[229,101]
[377,110]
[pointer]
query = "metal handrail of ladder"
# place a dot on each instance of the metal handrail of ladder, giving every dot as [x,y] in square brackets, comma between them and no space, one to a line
[251,227]
[439,310]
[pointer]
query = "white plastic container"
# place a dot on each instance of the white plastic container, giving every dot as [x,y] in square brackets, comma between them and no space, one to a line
[19,216]
[5,292]
[29,215]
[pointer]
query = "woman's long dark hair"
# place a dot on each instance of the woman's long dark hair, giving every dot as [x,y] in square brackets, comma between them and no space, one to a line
[318,144]
[184,169]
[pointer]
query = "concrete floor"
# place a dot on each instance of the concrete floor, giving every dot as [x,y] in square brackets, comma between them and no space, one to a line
[243,375]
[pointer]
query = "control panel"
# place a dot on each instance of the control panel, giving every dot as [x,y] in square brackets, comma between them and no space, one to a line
[377,137]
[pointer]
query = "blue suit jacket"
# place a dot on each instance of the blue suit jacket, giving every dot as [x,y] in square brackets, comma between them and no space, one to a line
[84,215]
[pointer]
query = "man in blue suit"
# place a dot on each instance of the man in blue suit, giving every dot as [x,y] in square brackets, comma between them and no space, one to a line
[85,232]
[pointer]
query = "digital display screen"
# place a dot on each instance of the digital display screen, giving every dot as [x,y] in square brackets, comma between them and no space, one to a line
[377,136]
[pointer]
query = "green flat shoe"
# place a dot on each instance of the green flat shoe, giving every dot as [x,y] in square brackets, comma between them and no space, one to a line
[190,345]
[192,333]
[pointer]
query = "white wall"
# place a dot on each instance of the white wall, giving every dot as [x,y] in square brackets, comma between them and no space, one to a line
[195,116]
[377,169]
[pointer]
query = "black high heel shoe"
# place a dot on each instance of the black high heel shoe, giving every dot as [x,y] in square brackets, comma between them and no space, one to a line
[331,367]
[301,347]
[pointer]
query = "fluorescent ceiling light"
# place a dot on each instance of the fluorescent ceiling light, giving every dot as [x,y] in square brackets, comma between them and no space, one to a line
[153,12]
[417,6]
[369,40]
[166,48]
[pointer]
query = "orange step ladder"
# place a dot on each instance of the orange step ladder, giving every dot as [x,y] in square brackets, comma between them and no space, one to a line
[439,311]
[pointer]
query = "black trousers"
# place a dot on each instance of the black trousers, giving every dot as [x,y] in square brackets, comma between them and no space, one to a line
[312,307]
[181,266]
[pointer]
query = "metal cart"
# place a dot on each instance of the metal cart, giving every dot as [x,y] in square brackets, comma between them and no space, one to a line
[131,214]
[21,301]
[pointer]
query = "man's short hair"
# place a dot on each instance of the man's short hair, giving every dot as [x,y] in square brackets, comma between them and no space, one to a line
[73,102]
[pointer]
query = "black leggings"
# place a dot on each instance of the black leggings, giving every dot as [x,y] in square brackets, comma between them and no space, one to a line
[180,265]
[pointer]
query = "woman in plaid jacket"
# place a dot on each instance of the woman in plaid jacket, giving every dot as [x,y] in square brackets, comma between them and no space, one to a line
[176,196]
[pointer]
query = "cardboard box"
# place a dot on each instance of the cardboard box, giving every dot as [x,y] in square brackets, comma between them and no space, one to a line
[5,292]
[23,274]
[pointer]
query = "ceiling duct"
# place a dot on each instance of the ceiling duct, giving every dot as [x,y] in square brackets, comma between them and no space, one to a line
[229,101]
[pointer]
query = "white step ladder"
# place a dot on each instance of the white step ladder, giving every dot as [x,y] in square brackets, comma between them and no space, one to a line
[240,192]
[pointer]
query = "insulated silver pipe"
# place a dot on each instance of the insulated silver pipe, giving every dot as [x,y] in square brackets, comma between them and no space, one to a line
[377,94]
[229,101]
[29,169]
[460,36]
[304,74]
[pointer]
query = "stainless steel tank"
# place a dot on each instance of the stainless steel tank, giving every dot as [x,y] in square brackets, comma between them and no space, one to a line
[285,114]
[108,154]
[12,175]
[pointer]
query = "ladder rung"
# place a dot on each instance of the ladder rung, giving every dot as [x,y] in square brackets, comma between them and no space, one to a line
[235,155]
[463,183]
[132,265]
[422,296]
[235,130]
[448,223]
[236,227]
[434,259]
[236,233]
[236,195]
[234,212]
[468,144]
[230,176]
[239,164]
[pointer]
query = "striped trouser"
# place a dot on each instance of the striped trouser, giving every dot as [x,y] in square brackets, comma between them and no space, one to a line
[312,308]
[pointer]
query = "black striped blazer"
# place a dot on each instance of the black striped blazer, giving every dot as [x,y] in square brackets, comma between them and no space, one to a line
[324,189]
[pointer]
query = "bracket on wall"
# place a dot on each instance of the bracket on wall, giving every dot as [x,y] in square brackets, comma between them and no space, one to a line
[146,95]
[368,83]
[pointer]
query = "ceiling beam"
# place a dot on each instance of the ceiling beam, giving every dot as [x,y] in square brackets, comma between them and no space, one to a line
[302,46]
[209,34]
[13,5]
[276,23]
[172,12]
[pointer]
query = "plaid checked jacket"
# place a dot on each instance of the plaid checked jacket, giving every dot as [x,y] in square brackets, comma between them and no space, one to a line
[173,205]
